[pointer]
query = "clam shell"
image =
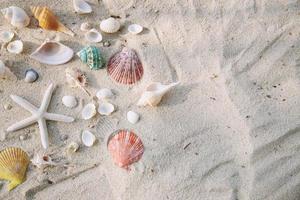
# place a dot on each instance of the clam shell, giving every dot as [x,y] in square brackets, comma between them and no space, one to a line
[93,36]
[81,7]
[125,148]
[135,29]
[15,47]
[125,67]
[69,101]
[85,26]
[88,138]
[6,36]
[132,117]
[88,111]
[16,16]
[5,72]
[104,93]
[106,108]
[13,166]
[31,75]
[91,56]
[110,25]
[52,53]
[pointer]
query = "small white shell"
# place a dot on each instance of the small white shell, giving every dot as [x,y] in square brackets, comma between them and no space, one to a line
[72,147]
[85,26]
[81,7]
[6,36]
[69,101]
[110,25]
[88,111]
[93,36]
[104,93]
[132,117]
[31,75]
[16,16]
[5,72]
[15,47]
[135,29]
[106,108]
[88,138]
[43,161]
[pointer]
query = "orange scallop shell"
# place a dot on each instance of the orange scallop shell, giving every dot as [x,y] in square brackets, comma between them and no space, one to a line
[125,148]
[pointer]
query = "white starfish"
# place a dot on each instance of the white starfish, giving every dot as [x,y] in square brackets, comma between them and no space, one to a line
[39,115]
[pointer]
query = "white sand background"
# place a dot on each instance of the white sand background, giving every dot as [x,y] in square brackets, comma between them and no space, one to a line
[230,130]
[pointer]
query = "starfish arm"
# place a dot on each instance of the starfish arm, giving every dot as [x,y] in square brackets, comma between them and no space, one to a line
[58,117]
[24,103]
[47,98]
[43,133]
[21,124]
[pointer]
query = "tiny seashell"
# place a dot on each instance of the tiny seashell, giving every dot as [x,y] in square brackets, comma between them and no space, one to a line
[76,79]
[42,161]
[6,36]
[72,147]
[125,67]
[132,117]
[13,166]
[15,47]
[110,25]
[91,56]
[31,75]
[16,16]
[93,36]
[5,72]
[85,26]
[125,148]
[88,138]
[88,111]
[135,29]
[106,108]
[104,93]
[69,101]
[81,7]
[52,53]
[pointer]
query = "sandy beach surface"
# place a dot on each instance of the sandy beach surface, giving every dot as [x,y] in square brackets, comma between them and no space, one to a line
[230,130]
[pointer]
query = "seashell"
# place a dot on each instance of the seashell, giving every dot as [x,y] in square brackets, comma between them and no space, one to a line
[92,57]
[93,36]
[43,161]
[13,166]
[135,29]
[47,20]
[6,36]
[77,79]
[52,53]
[5,72]
[85,26]
[69,101]
[125,148]
[125,67]
[106,108]
[31,75]
[72,147]
[15,47]
[132,117]
[154,93]
[104,93]
[16,16]
[81,7]
[110,25]
[88,138]
[88,111]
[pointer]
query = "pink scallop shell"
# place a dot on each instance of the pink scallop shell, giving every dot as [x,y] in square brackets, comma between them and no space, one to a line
[125,67]
[125,148]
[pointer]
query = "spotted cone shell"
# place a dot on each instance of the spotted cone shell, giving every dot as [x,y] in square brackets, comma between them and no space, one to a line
[125,67]
[13,166]
[125,148]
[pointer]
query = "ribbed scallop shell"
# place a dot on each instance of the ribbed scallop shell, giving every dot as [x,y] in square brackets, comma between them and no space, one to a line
[125,67]
[92,57]
[13,166]
[47,20]
[125,148]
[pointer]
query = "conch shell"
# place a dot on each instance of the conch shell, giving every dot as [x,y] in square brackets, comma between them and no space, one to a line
[154,93]
[47,20]
[16,16]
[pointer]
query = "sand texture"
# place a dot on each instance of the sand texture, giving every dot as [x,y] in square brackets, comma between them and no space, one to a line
[230,130]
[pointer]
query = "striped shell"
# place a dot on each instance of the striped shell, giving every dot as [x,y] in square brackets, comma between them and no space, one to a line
[92,57]
[47,20]
[125,67]
[125,148]
[13,166]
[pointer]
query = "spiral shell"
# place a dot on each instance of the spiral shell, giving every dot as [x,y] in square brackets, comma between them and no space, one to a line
[92,57]
[16,16]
